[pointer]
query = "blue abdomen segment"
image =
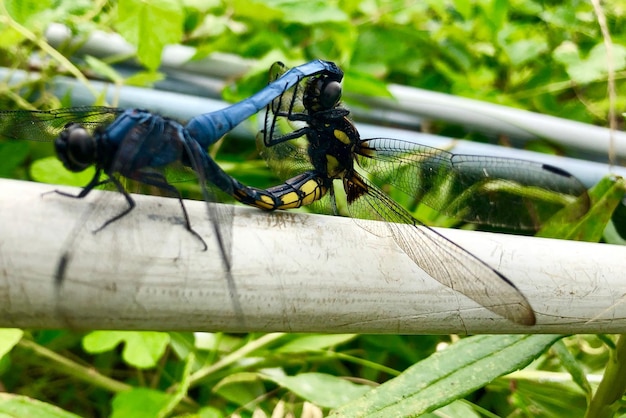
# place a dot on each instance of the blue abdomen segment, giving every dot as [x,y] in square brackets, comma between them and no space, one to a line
[209,127]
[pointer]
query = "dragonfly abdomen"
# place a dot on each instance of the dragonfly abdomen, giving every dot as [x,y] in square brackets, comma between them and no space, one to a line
[301,190]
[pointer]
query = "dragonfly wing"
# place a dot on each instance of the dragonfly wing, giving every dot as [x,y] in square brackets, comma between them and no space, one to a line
[285,158]
[46,125]
[442,259]
[496,191]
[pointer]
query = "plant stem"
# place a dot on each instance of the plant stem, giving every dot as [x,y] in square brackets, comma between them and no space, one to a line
[71,368]
[613,384]
[234,356]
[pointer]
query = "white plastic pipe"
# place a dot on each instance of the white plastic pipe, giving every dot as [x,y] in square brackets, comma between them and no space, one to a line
[291,272]
[407,101]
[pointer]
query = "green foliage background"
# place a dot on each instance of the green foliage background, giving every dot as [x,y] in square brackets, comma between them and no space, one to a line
[543,56]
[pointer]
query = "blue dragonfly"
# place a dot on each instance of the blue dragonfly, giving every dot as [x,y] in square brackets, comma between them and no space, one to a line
[139,145]
[484,190]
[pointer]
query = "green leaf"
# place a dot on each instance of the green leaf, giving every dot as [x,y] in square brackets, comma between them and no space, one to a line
[150,26]
[321,389]
[594,67]
[449,375]
[142,349]
[314,342]
[240,388]
[51,170]
[573,366]
[310,12]
[27,12]
[23,406]
[524,50]
[256,10]
[365,84]
[9,337]
[498,14]
[604,198]
[102,68]
[464,8]
[13,154]
[456,409]
[144,78]
[139,403]
[209,412]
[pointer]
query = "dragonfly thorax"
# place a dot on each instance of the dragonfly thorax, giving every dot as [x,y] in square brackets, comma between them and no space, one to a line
[332,147]
[76,147]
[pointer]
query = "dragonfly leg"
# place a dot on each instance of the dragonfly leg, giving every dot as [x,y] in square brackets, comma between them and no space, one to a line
[158,180]
[93,183]
[131,204]
[270,142]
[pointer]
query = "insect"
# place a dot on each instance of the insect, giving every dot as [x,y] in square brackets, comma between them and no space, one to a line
[332,152]
[142,146]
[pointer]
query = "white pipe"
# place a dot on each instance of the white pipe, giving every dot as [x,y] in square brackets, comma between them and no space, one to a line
[291,271]
[407,101]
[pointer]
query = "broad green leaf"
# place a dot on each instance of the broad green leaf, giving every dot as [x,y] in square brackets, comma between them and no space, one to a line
[604,198]
[141,349]
[464,8]
[592,68]
[144,78]
[257,10]
[241,388]
[365,84]
[51,170]
[449,375]
[139,403]
[497,16]
[310,12]
[15,406]
[209,412]
[13,154]
[150,26]
[524,50]
[321,389]
[27,11]
[9,337]
[314,342]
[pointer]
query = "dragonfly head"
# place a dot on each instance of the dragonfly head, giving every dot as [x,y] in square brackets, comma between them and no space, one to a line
[75,147]
[322,93]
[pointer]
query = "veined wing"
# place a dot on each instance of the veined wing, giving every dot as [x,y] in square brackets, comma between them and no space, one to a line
[442,259]
[286,158]
[496,191]
[46,125]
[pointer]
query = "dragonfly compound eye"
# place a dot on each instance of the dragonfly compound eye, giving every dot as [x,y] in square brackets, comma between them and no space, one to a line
[75,147]
[331,94]
[322,94]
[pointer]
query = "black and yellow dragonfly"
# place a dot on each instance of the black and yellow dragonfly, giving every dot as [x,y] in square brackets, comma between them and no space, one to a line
[327,147]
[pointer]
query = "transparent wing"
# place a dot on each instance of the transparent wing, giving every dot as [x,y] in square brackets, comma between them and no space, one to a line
[442,259]
[46,125]
[495,191]
[286,158]
[150,149]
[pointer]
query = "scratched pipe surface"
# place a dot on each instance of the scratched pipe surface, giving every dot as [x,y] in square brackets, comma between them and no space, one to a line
[291,272]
